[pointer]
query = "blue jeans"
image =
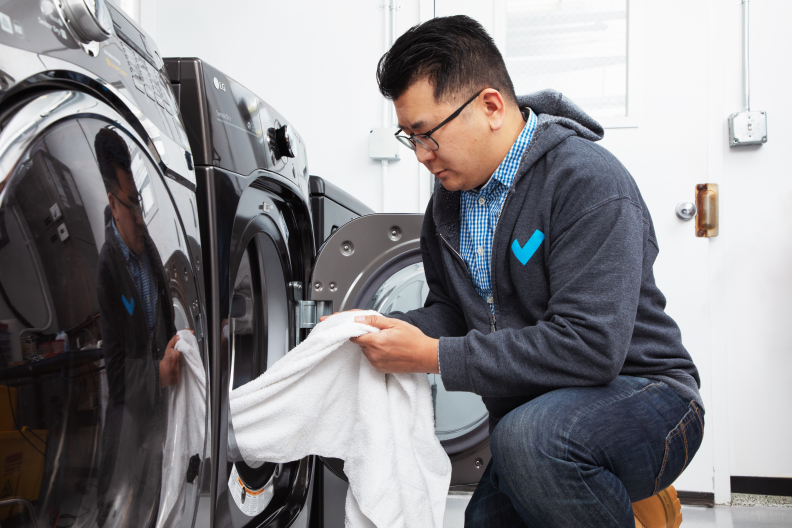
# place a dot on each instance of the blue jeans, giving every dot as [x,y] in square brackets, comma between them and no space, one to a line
[580,456]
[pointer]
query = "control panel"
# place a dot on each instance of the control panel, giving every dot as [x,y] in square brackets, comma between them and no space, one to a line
[145,68]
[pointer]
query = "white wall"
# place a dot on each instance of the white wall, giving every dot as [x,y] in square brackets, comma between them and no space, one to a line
[313,61]
[756,203]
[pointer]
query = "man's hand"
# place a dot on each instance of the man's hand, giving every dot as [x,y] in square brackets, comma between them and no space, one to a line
[398,346]
[170,364]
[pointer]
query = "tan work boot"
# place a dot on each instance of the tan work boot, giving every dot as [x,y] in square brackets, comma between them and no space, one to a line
[659,511]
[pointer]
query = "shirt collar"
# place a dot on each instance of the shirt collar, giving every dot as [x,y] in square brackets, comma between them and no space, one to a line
[124,249]
[507,170]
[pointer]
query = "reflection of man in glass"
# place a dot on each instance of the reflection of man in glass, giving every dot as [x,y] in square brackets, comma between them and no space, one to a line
[138,338]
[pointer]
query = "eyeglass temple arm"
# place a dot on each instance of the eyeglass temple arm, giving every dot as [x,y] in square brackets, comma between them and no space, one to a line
[452,116]
[449,118]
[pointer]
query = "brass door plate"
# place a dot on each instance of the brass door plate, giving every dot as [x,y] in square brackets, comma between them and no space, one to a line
[707,205]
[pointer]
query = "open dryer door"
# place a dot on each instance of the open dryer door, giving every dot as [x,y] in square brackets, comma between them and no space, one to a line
[374,263]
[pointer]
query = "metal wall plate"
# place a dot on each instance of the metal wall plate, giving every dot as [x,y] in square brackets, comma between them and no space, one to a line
[383,145]
[747,128]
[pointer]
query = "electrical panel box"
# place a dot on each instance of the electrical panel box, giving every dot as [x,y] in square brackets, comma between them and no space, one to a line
[747,128]
[383,144]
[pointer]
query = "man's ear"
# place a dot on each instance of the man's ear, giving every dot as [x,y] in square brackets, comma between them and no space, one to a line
[494,108]
[113,205]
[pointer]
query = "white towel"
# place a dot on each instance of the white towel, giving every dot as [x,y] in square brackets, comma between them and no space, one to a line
[324,398]
[185,435]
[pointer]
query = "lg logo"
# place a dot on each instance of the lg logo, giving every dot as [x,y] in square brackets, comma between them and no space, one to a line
[219,85]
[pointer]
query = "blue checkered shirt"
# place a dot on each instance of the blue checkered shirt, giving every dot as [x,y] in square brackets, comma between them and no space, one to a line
[480,210]
[143,276]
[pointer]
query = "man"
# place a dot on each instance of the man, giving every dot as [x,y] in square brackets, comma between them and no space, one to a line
[138,338]
[538,251]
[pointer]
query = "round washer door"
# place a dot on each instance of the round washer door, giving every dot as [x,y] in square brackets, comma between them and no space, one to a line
[374,262]
[261,493]
[95,281]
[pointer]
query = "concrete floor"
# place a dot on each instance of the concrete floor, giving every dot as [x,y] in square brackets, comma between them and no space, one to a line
[773,516]
[736,517]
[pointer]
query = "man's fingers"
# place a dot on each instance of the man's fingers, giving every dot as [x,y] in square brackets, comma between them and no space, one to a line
[172,342]
[377,321]
[364,339]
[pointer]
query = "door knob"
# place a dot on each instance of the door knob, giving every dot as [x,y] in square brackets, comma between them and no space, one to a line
[686,210]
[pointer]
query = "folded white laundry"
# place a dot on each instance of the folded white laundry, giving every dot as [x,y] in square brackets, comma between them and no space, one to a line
[324,398]
[185,435]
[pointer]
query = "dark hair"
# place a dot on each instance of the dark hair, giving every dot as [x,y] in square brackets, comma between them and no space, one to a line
[456,55]
[112,153]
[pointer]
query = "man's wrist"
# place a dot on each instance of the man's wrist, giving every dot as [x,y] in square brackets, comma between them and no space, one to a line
[432,355]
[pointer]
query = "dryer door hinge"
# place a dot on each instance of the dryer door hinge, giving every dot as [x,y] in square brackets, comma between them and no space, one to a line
[306,313]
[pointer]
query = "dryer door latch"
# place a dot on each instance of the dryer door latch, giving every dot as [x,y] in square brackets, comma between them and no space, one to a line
[306,313]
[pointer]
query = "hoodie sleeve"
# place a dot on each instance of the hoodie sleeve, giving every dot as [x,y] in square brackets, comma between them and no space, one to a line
[440,315]
[594,271]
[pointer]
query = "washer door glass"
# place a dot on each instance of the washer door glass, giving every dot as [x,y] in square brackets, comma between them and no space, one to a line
[94,284]
[259,336]
[456,413]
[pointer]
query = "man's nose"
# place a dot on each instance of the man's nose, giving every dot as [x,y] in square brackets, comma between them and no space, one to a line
[424,155]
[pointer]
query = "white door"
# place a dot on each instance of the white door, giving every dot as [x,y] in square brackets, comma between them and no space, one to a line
[650,92]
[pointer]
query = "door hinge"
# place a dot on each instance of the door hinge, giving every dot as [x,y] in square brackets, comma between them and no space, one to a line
[306,313]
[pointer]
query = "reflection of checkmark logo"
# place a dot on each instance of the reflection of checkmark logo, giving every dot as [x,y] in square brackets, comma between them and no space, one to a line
[129,305]
[524,253]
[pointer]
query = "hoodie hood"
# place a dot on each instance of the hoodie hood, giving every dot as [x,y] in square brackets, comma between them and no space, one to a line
[559,118]
[553,107]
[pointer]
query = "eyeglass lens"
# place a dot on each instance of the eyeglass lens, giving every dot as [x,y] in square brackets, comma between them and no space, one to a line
[406,141]
[425,141]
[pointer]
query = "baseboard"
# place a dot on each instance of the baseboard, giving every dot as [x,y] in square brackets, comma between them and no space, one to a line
[762,486]
[696,498]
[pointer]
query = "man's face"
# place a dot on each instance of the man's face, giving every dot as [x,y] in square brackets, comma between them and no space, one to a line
[126,212]
[464,160]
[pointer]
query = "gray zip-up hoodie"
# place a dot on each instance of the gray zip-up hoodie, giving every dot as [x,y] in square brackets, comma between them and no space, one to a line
[583,307]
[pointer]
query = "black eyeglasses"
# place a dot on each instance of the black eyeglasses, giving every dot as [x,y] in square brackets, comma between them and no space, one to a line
[135,207]
[426,140]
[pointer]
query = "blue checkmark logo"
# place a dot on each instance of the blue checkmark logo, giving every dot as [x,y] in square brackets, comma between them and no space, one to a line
[524,253]
[129,305]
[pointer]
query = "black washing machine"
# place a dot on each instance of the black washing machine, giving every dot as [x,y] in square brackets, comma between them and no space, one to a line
[100,265]
[255,216]
[332,207]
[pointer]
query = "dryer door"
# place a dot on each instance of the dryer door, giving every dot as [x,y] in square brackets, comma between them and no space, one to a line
[97,424]
[374,263]
[256,334]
